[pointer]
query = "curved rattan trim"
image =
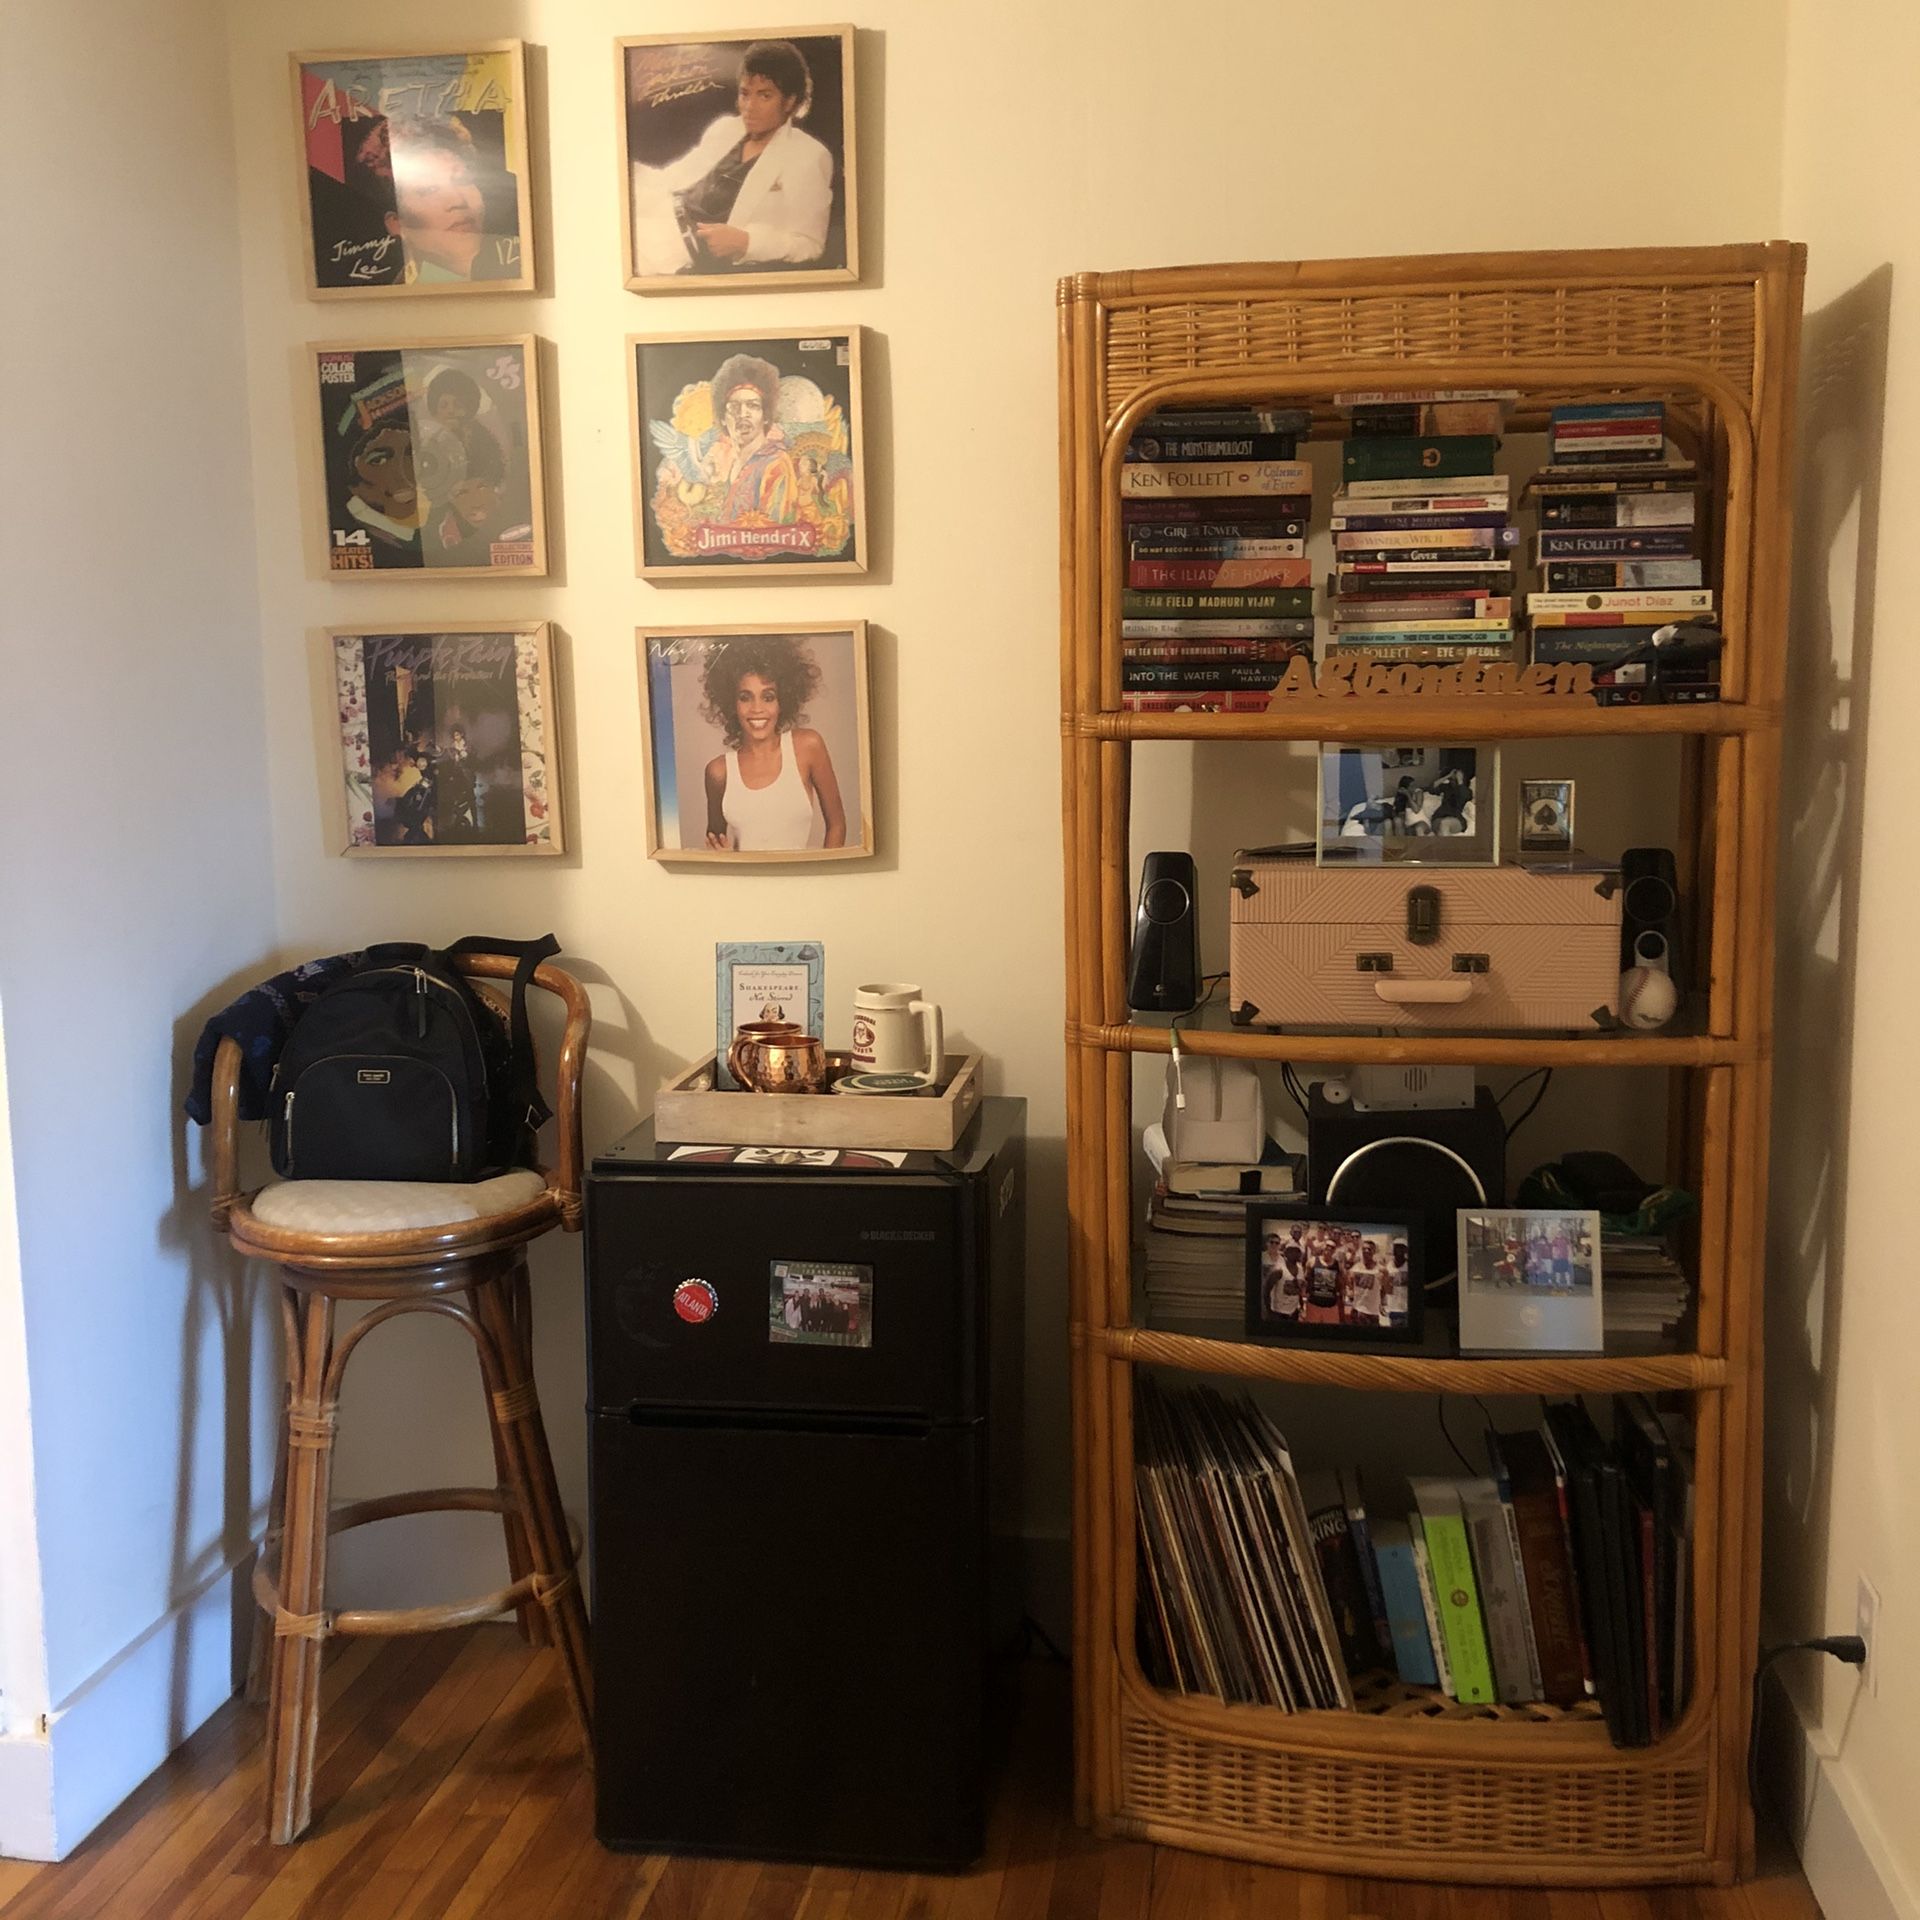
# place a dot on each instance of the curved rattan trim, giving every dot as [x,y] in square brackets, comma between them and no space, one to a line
[1477,716]
[1432,1049]
[399,1247]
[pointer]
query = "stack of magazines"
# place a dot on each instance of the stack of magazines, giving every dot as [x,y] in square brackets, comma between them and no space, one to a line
[1231,1601]
[1647,1292]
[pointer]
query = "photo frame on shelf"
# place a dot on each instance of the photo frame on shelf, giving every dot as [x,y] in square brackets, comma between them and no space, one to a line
[429,459]
[738,169]
[1333,1276]
[447,739]
[1546,817]
[747,456]
[1530,1281]
[721,707]
[766,980]
[415,171]
[1429,806]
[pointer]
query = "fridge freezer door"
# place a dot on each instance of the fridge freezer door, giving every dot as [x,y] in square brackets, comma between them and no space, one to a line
[802,1292]
[789,1642]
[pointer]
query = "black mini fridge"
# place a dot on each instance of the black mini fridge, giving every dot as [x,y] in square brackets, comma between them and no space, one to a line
[804,1373]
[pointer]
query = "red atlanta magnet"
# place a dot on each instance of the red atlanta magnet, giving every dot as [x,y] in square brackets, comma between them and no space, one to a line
[695,1301]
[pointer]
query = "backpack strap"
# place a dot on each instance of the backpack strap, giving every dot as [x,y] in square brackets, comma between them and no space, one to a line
[523,1088]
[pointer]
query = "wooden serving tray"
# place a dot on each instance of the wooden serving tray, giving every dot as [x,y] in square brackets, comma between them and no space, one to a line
[689,1109]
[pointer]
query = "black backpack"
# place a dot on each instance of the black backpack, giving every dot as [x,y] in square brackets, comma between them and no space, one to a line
[406,1073]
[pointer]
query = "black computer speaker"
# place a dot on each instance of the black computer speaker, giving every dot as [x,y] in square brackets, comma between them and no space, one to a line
[1164,974]
[1650,911]
[1430,1160]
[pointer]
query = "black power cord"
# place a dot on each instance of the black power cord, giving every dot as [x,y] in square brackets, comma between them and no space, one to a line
[1847,1648]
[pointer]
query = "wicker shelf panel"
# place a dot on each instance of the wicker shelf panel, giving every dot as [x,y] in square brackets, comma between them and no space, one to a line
[1710,323]
[1281,1804]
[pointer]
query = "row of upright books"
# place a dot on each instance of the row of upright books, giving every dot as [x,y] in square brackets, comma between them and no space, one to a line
[1215,510]
[1560,1575]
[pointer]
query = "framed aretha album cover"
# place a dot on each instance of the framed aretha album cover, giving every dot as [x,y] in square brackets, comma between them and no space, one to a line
[1333,1275]
[747,458]
[430,458]
[446,739]
[414,171]
[757,742]
[1409,806]
[766,980]
[737,167]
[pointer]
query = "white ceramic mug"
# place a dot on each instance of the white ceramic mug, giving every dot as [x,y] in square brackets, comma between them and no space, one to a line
[884,1014]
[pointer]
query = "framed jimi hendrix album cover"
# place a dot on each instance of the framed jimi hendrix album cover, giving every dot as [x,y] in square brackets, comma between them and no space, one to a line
[430,458]
[415,171]
[446,740]
[747,454]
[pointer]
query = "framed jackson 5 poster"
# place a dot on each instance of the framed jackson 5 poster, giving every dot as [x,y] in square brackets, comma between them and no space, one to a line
[414,171]
[430,458]
[446,740]
[737,166]
[747,454]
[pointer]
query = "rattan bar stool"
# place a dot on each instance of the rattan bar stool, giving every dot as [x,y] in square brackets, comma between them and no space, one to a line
[455,1251]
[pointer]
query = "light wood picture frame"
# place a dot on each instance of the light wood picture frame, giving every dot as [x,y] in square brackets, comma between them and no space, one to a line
[688,105]
[447,740]
[427,455]
[709,693]
[767,479]
[415,171]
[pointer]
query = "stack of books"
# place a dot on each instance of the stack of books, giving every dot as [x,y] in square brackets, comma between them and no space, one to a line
[1194,1252]
[1216,600]
[1617,548]
[1423,531]
[1560,1575]
[1231,1602]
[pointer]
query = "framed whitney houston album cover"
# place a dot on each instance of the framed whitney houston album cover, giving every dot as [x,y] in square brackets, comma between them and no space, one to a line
[447,738]
[757,743]
[430,458]
[415,171]
[747,454]
[737,161]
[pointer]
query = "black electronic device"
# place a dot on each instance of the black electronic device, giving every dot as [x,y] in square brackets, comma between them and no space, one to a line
[1164,973]
[1433,1160]
[1650,911]
[803,1488]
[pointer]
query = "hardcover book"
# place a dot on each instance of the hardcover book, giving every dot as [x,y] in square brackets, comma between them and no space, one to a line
[1454,1590]
[1218,480]
[1524,1467]
[1394,457]
[1406,1616]
[1502,1605]
[1630,543]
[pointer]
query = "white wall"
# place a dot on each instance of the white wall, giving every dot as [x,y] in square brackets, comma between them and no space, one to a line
[1002,145]
[137,880]
[1844,1419]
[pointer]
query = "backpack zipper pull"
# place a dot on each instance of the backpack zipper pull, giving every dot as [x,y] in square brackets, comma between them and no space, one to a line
[288,1128]
[419,1004]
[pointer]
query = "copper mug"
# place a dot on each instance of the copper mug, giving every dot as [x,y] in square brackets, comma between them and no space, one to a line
[774,1056]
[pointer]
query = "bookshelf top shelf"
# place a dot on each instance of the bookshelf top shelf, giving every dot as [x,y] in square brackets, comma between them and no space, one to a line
[1413,1372]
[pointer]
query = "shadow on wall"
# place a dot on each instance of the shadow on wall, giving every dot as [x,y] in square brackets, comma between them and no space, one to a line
[1837,512]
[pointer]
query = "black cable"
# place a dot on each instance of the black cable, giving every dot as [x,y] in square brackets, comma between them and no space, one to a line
[1512,1127]
[1030,1631]
[1846,1647]
[1291,1081]
[1440,1404]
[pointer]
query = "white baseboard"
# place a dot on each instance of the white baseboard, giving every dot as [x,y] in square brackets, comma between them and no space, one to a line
[1843,1852]
[111,1732]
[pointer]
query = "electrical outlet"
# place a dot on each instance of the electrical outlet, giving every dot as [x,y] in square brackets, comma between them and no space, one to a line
[1866,1619]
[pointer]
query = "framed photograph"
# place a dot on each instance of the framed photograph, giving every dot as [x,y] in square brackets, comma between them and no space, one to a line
[1318,1274]
[1409,806]
[447,739]
[415,171]
[766,980]
[757,741]
[430,459]
[747,458]
[1546,816]
[1529,1281]
[737,167]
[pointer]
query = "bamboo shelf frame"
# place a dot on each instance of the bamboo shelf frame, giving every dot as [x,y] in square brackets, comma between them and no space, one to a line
[1411,1793]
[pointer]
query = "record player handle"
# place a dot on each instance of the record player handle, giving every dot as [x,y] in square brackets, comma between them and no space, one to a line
[1425,993]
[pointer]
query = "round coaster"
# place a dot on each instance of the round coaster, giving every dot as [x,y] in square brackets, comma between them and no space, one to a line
[882,1083]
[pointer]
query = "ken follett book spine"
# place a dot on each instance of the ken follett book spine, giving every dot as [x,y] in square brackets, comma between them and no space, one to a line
[1628,543]
[1605,576]
[1398,457]
[1210,479]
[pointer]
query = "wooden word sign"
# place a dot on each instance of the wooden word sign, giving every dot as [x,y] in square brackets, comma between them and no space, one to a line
[1339,678]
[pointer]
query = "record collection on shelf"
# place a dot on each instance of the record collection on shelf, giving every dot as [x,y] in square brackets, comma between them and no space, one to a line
[1559,1576]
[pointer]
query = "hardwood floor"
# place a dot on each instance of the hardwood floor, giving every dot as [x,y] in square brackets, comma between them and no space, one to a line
[450,1788]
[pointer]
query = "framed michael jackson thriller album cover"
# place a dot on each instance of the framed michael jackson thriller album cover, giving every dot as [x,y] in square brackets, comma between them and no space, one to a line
[446,739]
[737,163]
[415,171]
[757,743]
[430,458]
[747,455]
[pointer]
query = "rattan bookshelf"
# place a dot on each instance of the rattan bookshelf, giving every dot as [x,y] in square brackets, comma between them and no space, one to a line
[1407,1788]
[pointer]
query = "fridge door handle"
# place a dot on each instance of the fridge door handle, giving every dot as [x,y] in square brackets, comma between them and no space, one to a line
[895,1423]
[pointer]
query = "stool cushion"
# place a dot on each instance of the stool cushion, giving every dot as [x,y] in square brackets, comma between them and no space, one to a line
[385,1206]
